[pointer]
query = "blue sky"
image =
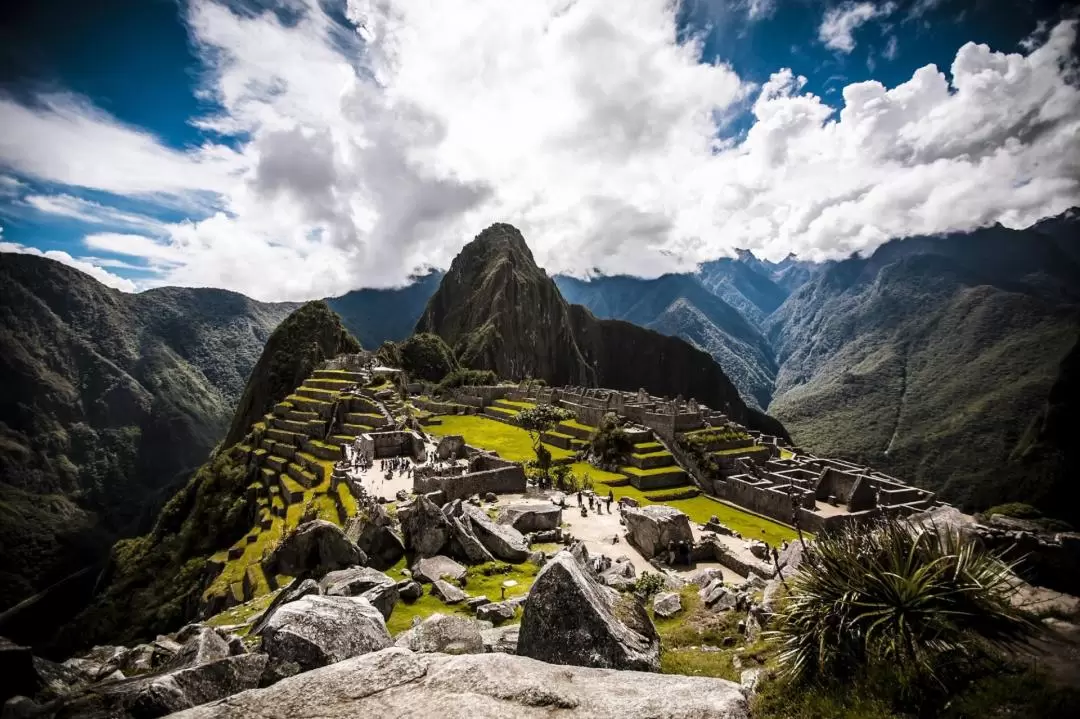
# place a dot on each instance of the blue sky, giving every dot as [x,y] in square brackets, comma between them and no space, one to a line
[164,142]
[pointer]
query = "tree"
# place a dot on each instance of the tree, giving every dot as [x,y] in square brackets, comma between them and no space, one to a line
[610,443]
[537,420]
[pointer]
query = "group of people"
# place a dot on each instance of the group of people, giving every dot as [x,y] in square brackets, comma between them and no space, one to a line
[401,465]
[596,503]
[679,553]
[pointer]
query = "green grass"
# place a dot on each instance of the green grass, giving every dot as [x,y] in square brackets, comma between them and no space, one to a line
[700,508]
[741,450]
[786,454]
[580,469]
[651,454]
[347,500]
[243,613]
[477,584]
[670,469]
[516,403]
[577,425]
[512,443]
[648,447]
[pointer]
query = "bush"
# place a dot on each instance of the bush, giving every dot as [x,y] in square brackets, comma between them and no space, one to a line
[898,595]
[610,443]
[425,356]
[1016,510]
[467,378]
[648,584]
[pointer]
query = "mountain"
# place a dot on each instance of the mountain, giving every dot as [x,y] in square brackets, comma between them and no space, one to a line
[375,316]
[678,305]
[745,285]
[499,311]
[107,400]
[154,582]
[789,274]
[932,356]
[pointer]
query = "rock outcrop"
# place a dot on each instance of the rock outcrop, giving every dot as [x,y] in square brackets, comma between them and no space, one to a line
[650,528]
[527,518]
[445,633]
[315,631]
[398,683]
[569,618]
[667,604]
[504,542]
[426,528]
[373,533]
[314,548]
[371,584]
[429,569]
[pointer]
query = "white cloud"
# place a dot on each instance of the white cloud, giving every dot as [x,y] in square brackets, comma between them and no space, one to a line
[840,23]
[891,48]
[101,275]
[585,123]
[757,9]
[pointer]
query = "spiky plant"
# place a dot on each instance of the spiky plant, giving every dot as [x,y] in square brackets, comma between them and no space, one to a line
[898,594]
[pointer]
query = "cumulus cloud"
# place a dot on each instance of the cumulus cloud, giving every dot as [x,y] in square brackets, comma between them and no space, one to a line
[837,29]
[98,273]
[358,153]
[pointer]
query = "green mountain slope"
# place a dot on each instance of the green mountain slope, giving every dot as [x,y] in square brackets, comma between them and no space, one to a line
[499,311]
[106,401]
[154,583]
[745,284]
[377,316]
[931,357]
[678,305]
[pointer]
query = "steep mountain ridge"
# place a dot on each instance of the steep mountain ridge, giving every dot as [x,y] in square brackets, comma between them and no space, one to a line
[680,306]
[930,357]
[499,311]
[376,316]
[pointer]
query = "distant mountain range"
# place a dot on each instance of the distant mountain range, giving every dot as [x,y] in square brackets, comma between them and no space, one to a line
[943,360]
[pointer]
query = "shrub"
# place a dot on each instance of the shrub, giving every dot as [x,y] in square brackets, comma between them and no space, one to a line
[648,584]
[1016,510]
[898,595]
[610,443]
[467,378]
[426,356]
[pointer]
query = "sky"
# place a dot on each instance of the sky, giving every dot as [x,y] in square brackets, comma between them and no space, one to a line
[293,149]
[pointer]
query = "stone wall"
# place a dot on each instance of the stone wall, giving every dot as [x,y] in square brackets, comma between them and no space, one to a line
[504,480]
[482,395]
[396,444]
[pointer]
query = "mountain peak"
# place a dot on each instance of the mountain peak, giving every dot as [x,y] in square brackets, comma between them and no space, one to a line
[501,238]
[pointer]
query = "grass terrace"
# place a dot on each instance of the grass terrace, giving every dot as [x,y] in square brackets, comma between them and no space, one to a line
[741,450]
[516,404]
[511,442]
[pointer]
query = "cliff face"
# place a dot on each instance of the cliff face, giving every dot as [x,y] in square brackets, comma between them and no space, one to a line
[499,311]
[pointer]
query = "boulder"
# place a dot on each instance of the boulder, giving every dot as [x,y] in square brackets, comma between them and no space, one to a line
[570,618]
[531,517]
[538,558]
[160,694]
[760,550]
[650,528]
[316,630]
[313,549]
[452,446]
[667,604]
[426,528]
[372,531]
[409,591]
[17,668]
[205,646]
[296,589]
[396,682]
[496,612]
[371,584]
[504,542]
[448,593]
[464,544]
[718,596]
[448,634]
[501,639]
[428,569]
[621,575]
[475,603]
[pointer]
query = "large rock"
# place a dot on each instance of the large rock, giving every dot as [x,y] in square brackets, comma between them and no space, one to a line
[531,517]
[205,646]
[429,569]
[398,683]
[373,533]
[444,633]
[570,618]
[496,612]
[621,575]
[426,528]
[667,604]
[314,548]
[316,630]
[504,542]
[157,695]
[371,584]
[650,528]
[448,593]
[501,639]
[452,446]
[464,544]
[296,589]
[718,596]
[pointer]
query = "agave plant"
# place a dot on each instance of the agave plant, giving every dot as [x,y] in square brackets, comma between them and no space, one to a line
[895,592]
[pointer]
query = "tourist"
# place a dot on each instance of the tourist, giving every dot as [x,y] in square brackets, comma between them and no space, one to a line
[609,500]
[579,499]
[610,497]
